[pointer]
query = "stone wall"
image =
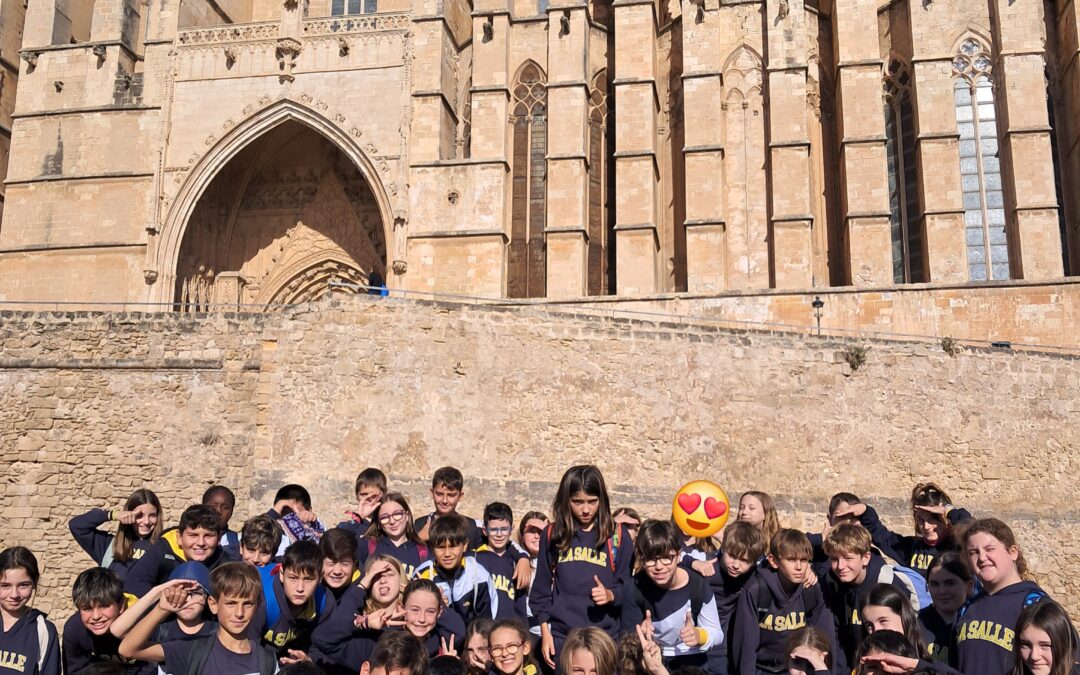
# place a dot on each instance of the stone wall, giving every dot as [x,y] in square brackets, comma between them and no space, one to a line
[94,405]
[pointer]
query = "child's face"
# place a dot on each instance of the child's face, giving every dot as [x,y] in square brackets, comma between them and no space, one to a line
[1036,650]
[876,617]
[386,587]
[299,586]
[751,511]
[662,569]
[146,519]
[792,569]
[257,558]
[445,498]
[421,612]
[477,654]
[369,497]
[508,650]
[16,589]
[736,567]
[198,542]
[948,591]
[393,519]
[531,538]
[337,573]
[97,618]
[498,533]
[448,556]
[193,607]
[930,527]
[849,567]
[582,662]
[233,613]
[991,560]
[223,506]
[583,508]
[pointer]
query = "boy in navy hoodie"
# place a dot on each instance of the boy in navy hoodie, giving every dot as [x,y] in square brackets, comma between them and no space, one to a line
[499,558]
[196,538]
[260,539]
[775,603]
[447,489]
[675,604]
[222,500]
[854,569]
[464,582]
[98,595]
[295,601]
[370,489]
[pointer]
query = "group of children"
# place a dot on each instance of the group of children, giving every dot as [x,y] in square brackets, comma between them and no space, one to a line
[586,591]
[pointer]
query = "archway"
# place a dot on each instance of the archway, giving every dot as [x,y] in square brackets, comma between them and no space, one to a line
[280,222]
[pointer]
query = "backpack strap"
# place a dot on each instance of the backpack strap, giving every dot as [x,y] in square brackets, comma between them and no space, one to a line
[267,659]
[1033,597]
[273,610]
[43,641]
[422,551]
[371,544]
[763,597]
[198,653]
[110,554]
[699,594]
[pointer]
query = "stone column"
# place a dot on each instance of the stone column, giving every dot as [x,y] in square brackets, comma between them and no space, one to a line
[637,174]
[430,136]
[568,132]
[938,143]
[491,81]
[864,179]
[790,216]
[706,236]
[1025,139]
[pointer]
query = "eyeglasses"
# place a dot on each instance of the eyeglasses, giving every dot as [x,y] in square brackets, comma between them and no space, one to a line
[510,650]
[663,561]
[391,517]
[498,530]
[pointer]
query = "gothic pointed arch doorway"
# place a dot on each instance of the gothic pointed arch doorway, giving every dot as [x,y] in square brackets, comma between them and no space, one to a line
[282,222]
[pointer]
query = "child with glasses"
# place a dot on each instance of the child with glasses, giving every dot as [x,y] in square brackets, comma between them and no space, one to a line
[500,559]
[392,533]
[510,648]
[672,604]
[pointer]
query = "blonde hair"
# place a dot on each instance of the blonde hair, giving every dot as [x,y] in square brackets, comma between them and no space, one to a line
[847,538]
[371,604]
[236,580]
[772,521]
[596,642]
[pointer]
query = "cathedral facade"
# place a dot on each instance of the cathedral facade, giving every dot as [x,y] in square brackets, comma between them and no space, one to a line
[256,152]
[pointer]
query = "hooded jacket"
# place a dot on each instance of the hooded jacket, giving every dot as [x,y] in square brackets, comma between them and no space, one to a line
[985,628]
[160,560]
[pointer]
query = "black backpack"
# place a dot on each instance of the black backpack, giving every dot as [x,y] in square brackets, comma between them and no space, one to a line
[200,651]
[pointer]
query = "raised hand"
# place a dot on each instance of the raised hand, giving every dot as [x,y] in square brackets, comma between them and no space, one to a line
[294,656]
[447,648]
[689,633]
[600,594]
[705,568]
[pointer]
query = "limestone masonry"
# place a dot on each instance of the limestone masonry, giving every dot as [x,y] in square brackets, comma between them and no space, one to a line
[95,405]
[250,152]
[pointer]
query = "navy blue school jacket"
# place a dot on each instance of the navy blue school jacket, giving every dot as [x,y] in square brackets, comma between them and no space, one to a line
[85,530]
[501,569]
[476,537]
[819,562]
[81,648]
[985,628]
[292,632]
[160,560]
[355,524]
[410,554]
[939,635]
[762,628]
[843,601]
[20,647]
[561,592]
[907,550]
[468,588]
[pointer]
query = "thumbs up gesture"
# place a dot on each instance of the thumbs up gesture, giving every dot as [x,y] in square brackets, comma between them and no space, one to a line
[690,635]
[600,594]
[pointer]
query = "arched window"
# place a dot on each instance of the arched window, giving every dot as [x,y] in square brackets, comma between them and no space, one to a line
[980,165]
[527,271]
[598,185]
[904,212]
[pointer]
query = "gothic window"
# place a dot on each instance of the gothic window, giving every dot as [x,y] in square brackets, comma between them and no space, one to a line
[598,185]
[904,213]
[527,268]
[343,7]
[980,165]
